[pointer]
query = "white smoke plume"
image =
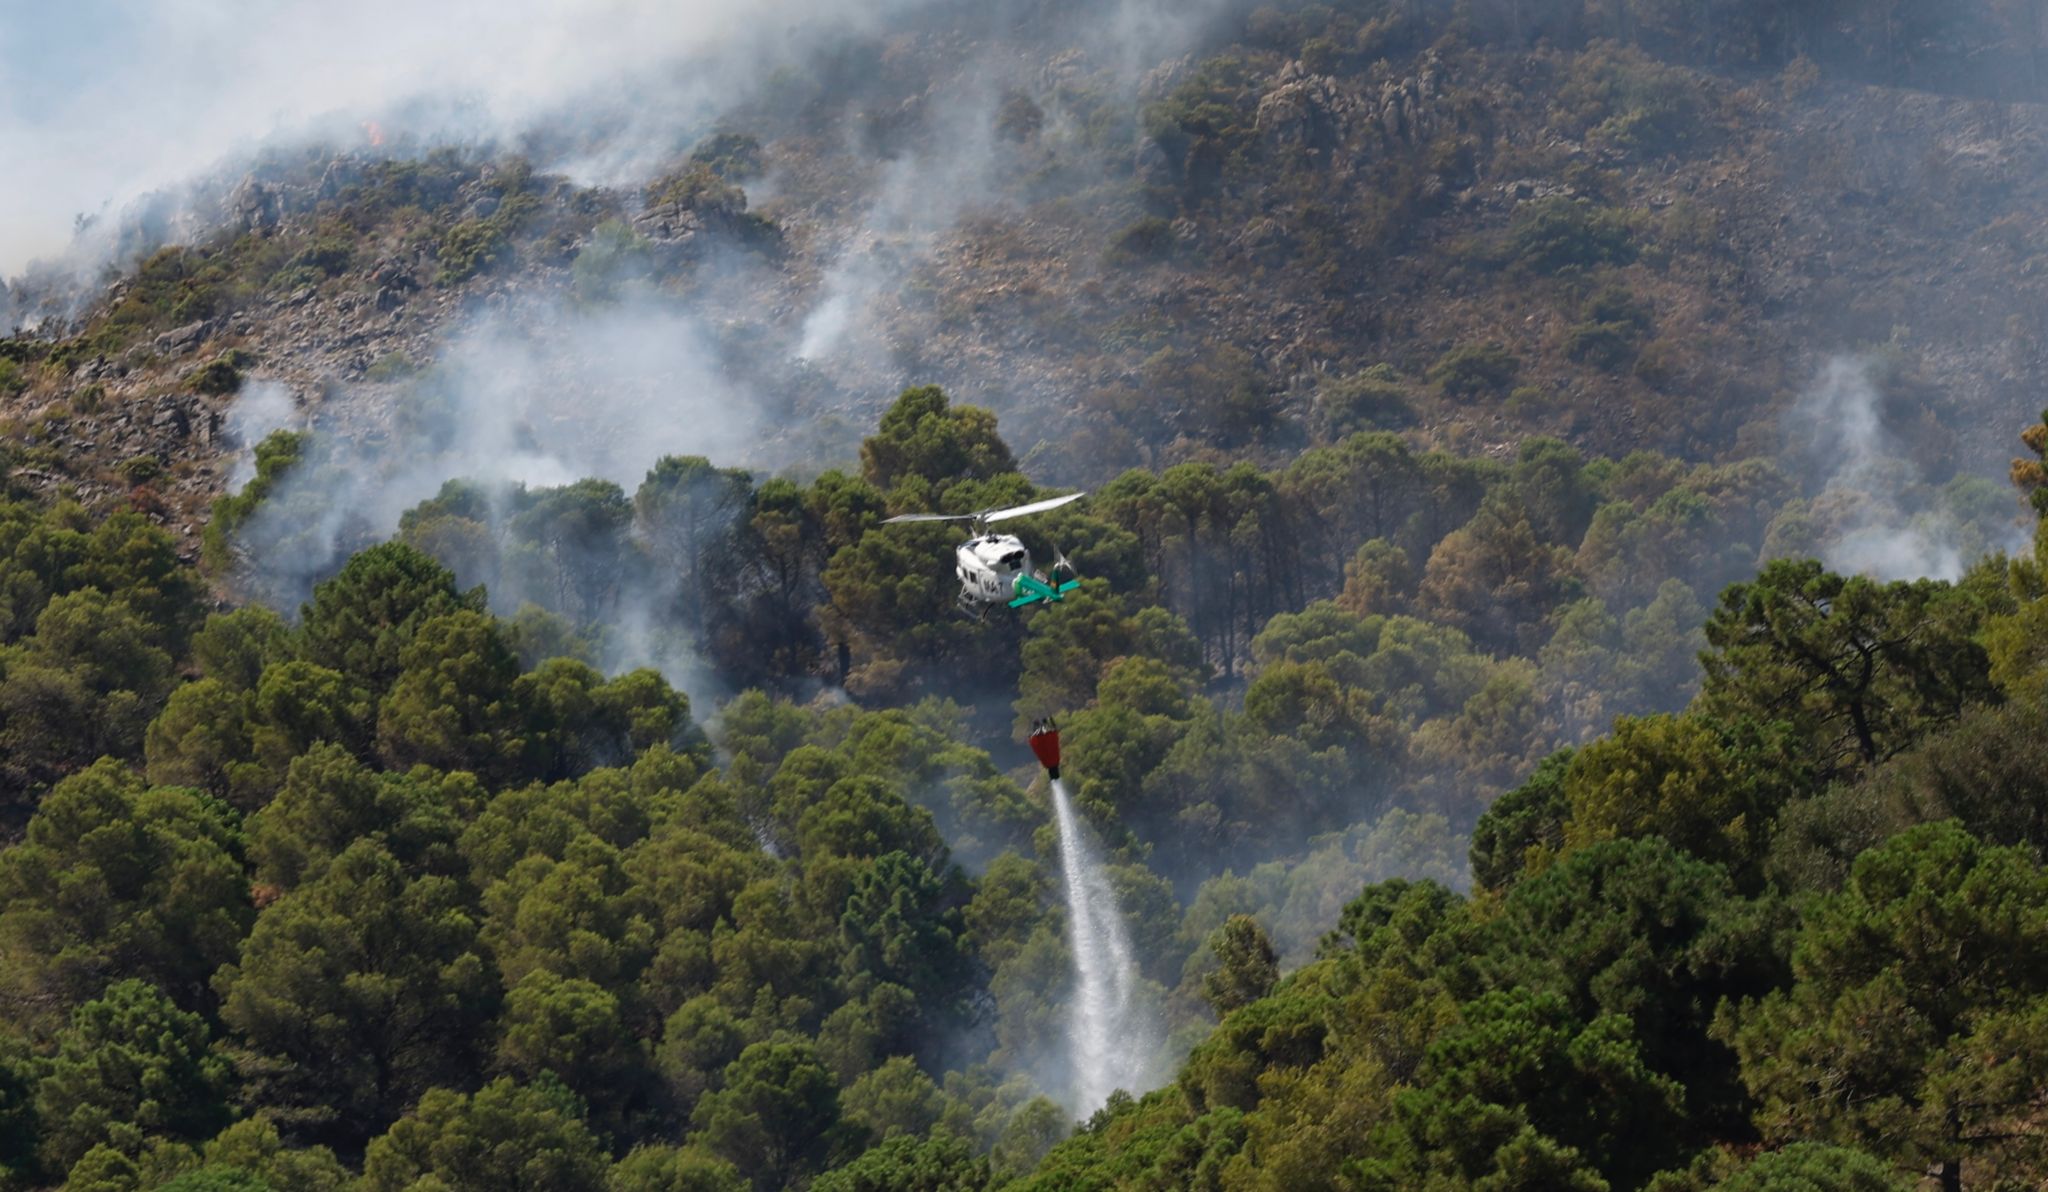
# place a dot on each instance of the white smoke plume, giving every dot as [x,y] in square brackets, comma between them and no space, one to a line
[543,396]
[922,196]
[919,199]
[1878,514]
[538,394]
[261,408]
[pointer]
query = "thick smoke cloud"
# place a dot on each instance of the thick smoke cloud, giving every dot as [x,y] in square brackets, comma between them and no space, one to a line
[113,110]
[106,102]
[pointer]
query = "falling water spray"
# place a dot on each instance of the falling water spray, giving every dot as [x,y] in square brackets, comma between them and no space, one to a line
[1114,1039]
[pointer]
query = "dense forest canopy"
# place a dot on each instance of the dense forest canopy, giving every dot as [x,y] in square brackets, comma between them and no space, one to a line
[405,887]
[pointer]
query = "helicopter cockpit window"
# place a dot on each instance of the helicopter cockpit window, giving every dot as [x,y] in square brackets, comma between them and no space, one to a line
[1014,559]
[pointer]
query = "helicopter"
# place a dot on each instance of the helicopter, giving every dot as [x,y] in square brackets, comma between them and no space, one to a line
[996,568]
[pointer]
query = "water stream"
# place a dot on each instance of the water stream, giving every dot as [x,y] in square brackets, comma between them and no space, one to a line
[1115,1040]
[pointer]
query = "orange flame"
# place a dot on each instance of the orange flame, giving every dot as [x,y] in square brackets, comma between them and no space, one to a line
[375,132]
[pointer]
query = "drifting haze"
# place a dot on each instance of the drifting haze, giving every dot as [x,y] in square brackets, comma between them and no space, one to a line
[107,101]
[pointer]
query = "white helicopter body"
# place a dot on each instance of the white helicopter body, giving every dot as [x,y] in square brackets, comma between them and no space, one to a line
[988,567]
[996,568]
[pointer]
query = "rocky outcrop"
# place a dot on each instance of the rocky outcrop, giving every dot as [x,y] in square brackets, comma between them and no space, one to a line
[1153,165]
[253,206]
[1317,113]
[669,223]
[1305,110]
[1407,110]
[1163,78]
[341,173]
[179,340]
[395,280]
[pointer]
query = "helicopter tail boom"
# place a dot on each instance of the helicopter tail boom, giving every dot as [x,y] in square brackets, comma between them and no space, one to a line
[1032,590]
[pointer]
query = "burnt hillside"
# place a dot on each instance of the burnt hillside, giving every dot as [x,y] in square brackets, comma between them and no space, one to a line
[1312,222]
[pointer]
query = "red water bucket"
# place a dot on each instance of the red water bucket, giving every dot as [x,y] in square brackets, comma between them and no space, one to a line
[1045,742]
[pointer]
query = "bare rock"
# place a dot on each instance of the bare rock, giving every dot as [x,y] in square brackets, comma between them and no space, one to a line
[1163,78]
[343,172]
[1062,68]
[1263,240]
[1154,167]
[391,273]
[1305,110]
[1406,110]
[668,223]
[172,418]
[179,340]
[253,206]
[1527,190]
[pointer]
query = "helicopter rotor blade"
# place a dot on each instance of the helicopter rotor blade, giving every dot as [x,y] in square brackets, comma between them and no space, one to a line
[929,517]
[996,515]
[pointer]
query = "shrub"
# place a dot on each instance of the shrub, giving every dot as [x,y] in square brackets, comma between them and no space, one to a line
[1527,401]
[1800,77]
[614,253]
[1627,100]
[1660,363]
[1019,118]
[1559,234]
[1612,330]
[1603,345]
[1614,304]
[216,379]
[391,366]
[702,190]
[275,457]
[328,256]
[470,247]
[173,287]
[1149,239]
[1362,402]
[1218,99]
[141,469]
[1320,55]
[429,183]
[734,155]
[1469,370]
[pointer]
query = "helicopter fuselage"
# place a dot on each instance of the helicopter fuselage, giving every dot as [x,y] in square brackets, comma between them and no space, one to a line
[988,567]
